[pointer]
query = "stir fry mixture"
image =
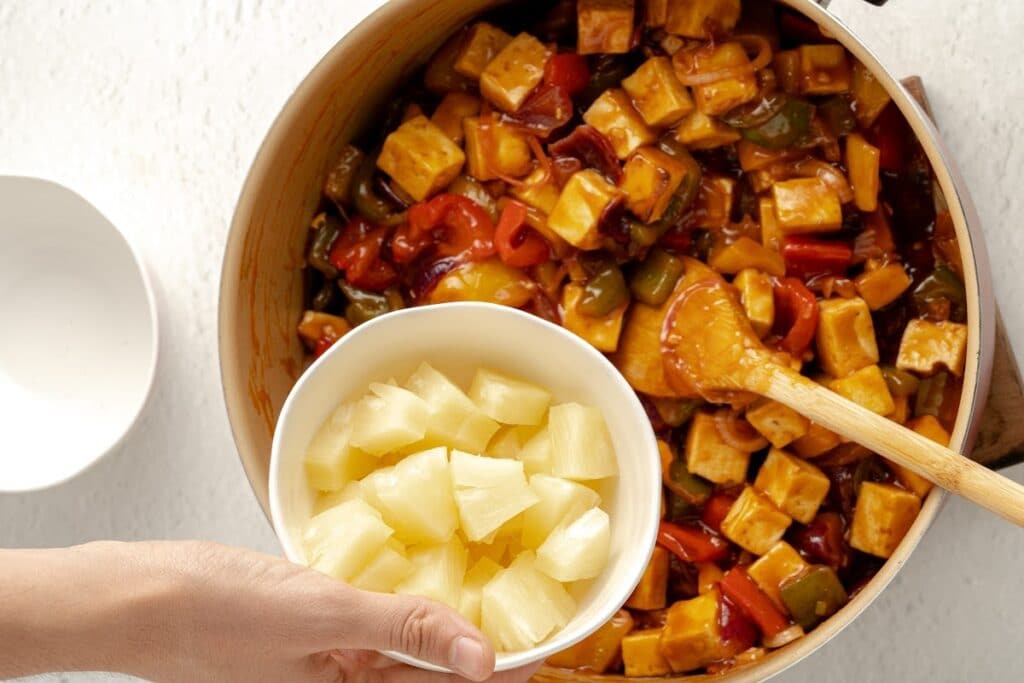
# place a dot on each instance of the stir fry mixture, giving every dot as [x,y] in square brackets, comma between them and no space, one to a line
[590,167]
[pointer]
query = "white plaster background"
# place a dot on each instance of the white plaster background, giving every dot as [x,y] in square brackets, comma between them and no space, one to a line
[154,110]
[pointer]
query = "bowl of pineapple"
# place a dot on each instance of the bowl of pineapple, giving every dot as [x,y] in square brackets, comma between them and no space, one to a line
[475,455]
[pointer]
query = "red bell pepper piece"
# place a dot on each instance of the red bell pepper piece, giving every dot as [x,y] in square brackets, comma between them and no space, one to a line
[806,257]
[715,510]
[690,543]
[322,344]
[568,71]
[546,110]
[891,135]
[796,315]
[453,224]
[518,244]
[741,589]
[357,253]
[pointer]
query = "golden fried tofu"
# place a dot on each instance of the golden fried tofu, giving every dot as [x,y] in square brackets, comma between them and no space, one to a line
[614,116]
[598,651]
[601,333]
[510,152]
[641,654]
[882,517]
[482,44]
[700,131]
[926,346]
[868,94]
[691,637]
[795,486]
[805,205]
[713,207]
[927,426]
[754,523]
[578,211]
[817,441]
[657,94]
[824,69]
[541,196]
[774,568]
[757,298]
[604,26]
[709,456]
[882,286]
[866,387]
[650,179]
[420,158]
[778,423]
[746,253]
[771,233]
[863,160]
[846,336]
[514,73]
[754,157]
[690,18]
[719,97]
[651,592]
[453,109]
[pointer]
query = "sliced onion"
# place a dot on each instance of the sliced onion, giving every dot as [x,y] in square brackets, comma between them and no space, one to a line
[737,432]
[826,173]
[749,42]
[784,637]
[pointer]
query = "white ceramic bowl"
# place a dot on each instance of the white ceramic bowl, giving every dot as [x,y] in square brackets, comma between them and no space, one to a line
[457,339]
[79,343]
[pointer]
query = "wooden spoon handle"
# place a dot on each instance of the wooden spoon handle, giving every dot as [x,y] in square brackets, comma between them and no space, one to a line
[940,465]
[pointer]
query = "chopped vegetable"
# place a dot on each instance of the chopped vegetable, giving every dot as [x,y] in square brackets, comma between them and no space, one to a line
[341,178]
[518,244]
[657,277]
[773,569]
[942,290]
[813,596]
[741,589]
[790,123]
[567,71]
[326,228]
[797,314]
[806,257]
[602,331]
[690,543]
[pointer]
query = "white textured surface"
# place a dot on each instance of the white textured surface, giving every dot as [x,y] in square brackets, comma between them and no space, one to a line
[153,112]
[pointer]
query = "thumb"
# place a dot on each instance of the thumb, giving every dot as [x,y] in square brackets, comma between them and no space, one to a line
[422,628]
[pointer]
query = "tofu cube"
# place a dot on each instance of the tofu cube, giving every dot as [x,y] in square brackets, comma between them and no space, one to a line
[754,523]
[746,253]
[846,336]
[866,387]
[868,94]
[651,592]
[699,131]
[757,298]
[578,211]
[882,517]
[691,18]
[641,654]
[657,94]
[691,637]
[650,179]
[601,333]
[824,69]
[795,486]
[929,427]
[817,441]
[453,109]
[786,65]
[778,423]
[510,152]
[614,116]
[754,157]
[805,205]
[882,286]
[709,456]
[542,196]
[771,233]
[482,44]
[514,73]
[713,208]
[774,568]
[863,160]
[926,346]
[598,651]
[604,26]
[719,97]
[420,158]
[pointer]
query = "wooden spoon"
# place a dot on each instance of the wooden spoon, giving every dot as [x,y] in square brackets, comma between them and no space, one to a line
[709,343]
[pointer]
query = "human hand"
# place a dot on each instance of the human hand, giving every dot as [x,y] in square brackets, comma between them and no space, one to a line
[201,611]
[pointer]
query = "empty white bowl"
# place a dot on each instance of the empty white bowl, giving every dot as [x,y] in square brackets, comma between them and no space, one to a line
[79,341]
[457,339]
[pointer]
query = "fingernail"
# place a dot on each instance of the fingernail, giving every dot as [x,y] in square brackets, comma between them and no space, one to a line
[467,658]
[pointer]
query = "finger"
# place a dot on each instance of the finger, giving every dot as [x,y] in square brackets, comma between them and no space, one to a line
[408,674]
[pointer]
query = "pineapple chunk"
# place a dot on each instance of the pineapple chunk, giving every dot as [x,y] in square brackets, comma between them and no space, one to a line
[482,44]
[824,69]
[478,576]
[417,483]
[453,419]
[614,116]
[488,492]
[389,418]
[846,336]
[604,26]
[641,654]
[342,540]
[929,427]
[863,160]
[602,333]
[798,488]
[882,286]
[708,576]
[869,95]
[691,637]
[581,447]
[327,500]
[454,108]
[806,205]
[708,456]
[438,572]
[746,253]
[719,97]
[697,130]
[542,196]
[522,606]
[505,444]
[652,591]
[512,75]
[385,571]
[771,233]
[331,460]
[421,158]
[314,325]
[650,179]
[536,453]
[757,298]
[559,501]
[866,387]
[927,345]
[882,517]
[786,65]
[507,399]
[578,550]
[490,281]
[510,152]
[817,441]
[691,18]
[754,523]
[753,157]
[902,412]
[780,424]
[657,94]
[577,213]
[600,650]
[776,567]
[713,207]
